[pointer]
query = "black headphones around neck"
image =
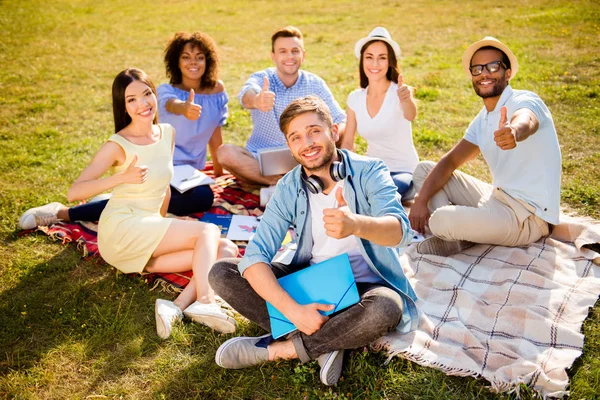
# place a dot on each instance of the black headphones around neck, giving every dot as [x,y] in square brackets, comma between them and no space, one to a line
[337,171]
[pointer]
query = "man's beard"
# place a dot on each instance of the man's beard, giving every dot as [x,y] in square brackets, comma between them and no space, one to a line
[496,91]
[329,152]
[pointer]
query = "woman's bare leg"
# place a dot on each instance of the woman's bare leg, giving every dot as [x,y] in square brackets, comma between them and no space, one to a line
[181,261]
[203,239]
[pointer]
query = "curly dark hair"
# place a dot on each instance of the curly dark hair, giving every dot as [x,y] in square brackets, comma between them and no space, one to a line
[198,40]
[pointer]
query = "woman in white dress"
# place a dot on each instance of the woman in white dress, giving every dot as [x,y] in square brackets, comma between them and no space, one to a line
[382,110]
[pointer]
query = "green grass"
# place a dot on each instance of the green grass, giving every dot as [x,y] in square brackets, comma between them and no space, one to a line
[73,328]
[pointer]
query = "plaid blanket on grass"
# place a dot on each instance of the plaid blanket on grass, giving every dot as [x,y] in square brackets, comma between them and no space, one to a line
[509,315]
[229,199]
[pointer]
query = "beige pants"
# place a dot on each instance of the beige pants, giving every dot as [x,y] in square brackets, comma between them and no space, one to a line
[469,209]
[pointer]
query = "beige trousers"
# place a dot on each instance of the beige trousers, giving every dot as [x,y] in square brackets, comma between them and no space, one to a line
[469,209]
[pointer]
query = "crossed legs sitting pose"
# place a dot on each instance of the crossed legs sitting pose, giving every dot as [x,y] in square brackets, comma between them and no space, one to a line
[313,198]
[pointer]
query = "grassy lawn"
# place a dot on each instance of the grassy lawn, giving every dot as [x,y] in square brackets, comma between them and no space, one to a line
[71,328]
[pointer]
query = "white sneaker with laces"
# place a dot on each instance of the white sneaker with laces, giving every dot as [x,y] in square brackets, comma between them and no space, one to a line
[40,216]
[166,314]
[212,316]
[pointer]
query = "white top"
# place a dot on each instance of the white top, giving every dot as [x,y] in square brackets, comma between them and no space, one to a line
[531,171]
[326,247]
[388,134]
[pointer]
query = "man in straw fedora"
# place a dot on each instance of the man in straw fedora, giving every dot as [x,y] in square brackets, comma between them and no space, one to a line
[515,134]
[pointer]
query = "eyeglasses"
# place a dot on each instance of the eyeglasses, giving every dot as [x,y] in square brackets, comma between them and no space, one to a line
[491,67]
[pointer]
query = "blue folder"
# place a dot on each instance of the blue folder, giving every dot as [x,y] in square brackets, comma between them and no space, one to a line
[328,282]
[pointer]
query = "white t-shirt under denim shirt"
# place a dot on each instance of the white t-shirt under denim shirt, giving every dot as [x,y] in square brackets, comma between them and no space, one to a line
[388,134]
[326,247]
[531,171]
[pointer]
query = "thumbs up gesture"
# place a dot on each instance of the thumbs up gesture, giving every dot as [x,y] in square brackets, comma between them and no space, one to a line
[339,221]
[192,110]
[265,100]
[135,174]
[403,90]
[505,135]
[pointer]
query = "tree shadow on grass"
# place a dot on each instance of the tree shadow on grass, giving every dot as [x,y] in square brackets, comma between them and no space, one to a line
[72,322]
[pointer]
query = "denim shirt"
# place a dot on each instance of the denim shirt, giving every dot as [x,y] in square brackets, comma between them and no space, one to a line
[369,190]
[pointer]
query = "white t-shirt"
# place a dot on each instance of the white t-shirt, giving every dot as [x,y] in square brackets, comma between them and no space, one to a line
[326,247]
[531,171]
[388,134]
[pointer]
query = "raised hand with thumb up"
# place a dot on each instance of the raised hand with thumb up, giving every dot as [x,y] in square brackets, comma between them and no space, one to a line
[192,110]
[265,100]
[505,135]
[407,101]
[403,90]
[339,221]
[135,174]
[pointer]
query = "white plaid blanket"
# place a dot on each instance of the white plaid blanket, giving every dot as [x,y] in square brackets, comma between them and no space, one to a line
[509,315]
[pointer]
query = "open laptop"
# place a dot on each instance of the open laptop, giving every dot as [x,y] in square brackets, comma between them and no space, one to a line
[275,161]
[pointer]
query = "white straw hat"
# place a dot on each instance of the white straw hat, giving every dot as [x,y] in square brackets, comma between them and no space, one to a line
[378,33]
[493,42]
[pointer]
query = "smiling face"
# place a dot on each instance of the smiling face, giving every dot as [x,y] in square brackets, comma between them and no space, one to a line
[288,55]
[375,61]
[488,84]
[192,62]
[140,102]
[311,141]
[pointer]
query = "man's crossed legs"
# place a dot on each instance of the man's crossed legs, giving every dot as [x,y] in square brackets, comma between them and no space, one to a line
[467,210]
[378,312]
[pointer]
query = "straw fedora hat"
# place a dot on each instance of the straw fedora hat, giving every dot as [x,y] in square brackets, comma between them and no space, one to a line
[493,42]
[378,33]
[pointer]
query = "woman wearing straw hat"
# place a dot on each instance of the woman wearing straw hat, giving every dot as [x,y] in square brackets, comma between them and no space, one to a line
[382,110]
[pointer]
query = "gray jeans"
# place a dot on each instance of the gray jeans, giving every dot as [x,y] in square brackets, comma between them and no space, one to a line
[378,312]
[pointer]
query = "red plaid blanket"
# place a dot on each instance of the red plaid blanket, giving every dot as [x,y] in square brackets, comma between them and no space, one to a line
[229,199]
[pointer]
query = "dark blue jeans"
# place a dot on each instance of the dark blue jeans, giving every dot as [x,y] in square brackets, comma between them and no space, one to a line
[378,312]
[195,200]
[403,181]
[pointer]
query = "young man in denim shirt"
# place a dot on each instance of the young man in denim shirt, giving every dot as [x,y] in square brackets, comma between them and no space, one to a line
[353,207]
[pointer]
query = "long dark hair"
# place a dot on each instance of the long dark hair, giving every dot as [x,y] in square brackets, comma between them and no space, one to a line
[393,71]
[122,119]
[202,42]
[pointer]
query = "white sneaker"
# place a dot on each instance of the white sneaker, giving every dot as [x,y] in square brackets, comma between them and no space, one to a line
[265,195]
[40,216]
[331,367]
[212,316]
[243,352]
[166,314]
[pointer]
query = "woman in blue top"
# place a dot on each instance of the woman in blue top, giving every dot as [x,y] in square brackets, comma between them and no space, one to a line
[194,102]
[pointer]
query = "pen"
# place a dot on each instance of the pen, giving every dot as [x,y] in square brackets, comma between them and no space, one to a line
[189,178]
